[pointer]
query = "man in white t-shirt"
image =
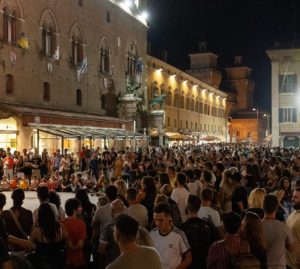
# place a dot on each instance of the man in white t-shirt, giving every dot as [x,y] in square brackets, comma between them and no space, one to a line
[205,211]
[170,242]
[180,194]
[135,209]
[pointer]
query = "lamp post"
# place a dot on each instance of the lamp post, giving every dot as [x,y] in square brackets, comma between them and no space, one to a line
[267,116]
[257,123]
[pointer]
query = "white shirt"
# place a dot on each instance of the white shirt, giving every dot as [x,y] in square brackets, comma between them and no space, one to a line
[102,216]
[170,247]
[140,213]
[180,195]
[208,212]
[53,207]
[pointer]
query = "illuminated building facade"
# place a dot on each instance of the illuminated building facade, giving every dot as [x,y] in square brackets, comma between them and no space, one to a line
[285,62]
[192,107]
[63,66]
[247,123]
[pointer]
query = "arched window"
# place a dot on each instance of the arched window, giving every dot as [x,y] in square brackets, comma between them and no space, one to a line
[176,99]
[154,89]
[197,106]
[187,103]
[201,108]
[77,44]
[49,44]
[192,104]
[181,105]
[169,98]
[9,84]
[78,97]
[77,50]
[9,26]
[104,57]
[162,89]
[46,93]
[132,58]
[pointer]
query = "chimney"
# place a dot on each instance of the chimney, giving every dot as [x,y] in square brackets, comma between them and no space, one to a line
[202,46]
[164,55]
[238,60]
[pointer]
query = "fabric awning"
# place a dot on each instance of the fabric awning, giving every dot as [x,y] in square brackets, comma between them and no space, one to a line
[67,131]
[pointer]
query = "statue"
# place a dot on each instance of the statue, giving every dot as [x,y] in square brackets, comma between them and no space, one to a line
[130,87]
[157,100]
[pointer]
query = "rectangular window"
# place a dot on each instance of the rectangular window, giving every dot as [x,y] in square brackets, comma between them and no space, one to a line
[108,16]
[287,115]
[288,83]
[46,95]
[175,123]
[168,122]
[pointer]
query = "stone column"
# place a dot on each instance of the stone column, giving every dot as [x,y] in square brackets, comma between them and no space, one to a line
[156,119]
[275,105]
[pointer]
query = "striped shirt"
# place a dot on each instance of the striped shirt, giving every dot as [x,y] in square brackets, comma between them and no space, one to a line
[218,256]
[170,247]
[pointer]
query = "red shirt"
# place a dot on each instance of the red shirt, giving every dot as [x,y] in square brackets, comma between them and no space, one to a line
[77,231]
[8,163]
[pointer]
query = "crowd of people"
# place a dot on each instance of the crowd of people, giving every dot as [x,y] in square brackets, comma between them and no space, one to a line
[212,206]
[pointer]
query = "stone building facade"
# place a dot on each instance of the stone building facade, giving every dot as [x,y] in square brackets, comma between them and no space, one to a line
[285,62]
[192,108]
[66,63]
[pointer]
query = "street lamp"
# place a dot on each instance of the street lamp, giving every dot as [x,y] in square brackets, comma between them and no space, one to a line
[257,123]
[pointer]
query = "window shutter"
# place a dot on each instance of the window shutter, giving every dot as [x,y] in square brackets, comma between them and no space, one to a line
[79,53]
[14,28]
[53,42]
[5,25]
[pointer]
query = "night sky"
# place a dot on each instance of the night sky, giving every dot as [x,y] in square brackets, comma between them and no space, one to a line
[231,27]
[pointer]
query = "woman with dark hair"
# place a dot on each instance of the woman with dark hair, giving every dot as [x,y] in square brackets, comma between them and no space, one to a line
[252,232]
[19,220]
[163,179]
[54,198]
[88,211]
[147,196]
[50,238]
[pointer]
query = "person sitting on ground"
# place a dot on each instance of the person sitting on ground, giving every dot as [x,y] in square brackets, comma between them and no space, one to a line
[133,256]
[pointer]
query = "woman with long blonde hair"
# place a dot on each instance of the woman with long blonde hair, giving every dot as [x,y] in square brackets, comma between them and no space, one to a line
[226,189]
[256,201]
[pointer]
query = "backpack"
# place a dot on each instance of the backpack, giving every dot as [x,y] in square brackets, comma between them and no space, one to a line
[244,259]
[214,232]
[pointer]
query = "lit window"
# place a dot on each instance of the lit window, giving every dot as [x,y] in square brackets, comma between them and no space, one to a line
[287,115]
[288,83]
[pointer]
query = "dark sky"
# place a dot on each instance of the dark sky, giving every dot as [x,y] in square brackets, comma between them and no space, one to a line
[231,27]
